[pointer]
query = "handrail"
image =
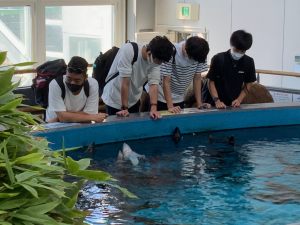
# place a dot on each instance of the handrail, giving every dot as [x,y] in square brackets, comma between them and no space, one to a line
[258,71]
[34,70]
[279,73]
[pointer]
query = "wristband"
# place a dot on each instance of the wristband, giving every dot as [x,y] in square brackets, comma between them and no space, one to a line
[215,99]
[124,107]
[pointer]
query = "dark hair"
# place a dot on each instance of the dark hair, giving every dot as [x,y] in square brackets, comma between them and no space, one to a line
[241,40]
[78,63]
[197,48]
[161,48]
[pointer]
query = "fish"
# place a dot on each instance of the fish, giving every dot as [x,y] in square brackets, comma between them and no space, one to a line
[177,135]
[127,154]
[230,140]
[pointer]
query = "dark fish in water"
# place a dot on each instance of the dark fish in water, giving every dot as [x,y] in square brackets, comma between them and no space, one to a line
[228,140]
[177,135]
[91,147]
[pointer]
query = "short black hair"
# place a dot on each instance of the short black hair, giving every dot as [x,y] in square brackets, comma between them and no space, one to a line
[241,40]
[197,48]
[78,62]
[161,48]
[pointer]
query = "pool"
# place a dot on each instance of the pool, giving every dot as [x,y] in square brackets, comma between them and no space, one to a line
[201,180]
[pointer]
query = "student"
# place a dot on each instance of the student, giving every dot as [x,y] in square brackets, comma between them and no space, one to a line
[177,75]
[122,94]
[231,73]
[77,105]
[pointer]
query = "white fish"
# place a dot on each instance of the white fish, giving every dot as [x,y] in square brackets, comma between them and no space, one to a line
[127,154]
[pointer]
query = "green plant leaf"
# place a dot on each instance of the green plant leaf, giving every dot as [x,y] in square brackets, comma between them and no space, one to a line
[12,204]
[8,195]
[12,105]
[34,218]
[94,175]
[5,223]
[5,80]
[55,191]
[72,194]
[43,208]
[7,162]
[84,163]
[31,190]
[2,57]
[30,158]
[123,190]
[72,165]
[2,212]
[26,175]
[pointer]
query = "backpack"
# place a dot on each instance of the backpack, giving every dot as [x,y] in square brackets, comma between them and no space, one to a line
[103,63]
[45,74]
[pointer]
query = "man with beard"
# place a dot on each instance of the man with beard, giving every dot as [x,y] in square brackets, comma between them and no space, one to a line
[74,97]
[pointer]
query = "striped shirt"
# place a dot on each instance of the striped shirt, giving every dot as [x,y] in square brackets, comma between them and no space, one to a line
[182,74]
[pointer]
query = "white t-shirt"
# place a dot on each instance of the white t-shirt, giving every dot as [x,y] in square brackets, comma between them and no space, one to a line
[140,73]
[72,103]
[182,74]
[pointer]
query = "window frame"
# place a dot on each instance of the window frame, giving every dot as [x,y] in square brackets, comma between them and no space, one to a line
[38,26]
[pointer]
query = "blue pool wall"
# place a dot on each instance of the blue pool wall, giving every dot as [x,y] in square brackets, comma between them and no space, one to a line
[140,126]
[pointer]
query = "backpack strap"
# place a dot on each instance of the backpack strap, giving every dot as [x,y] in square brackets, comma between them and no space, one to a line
[173,55]
[136,52]
[60,82]
[86,88]
[135,56]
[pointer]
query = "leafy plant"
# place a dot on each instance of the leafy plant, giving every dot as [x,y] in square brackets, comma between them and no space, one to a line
[32,185]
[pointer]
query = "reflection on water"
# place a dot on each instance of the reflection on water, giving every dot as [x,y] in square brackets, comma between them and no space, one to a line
[198,181]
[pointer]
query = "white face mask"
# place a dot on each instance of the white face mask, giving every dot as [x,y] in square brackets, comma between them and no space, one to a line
[236,55]
[150,59]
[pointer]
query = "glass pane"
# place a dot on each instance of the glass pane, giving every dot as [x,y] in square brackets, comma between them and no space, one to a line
[15,37]
[68,34]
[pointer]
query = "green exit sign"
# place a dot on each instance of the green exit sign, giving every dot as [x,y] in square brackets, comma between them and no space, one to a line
[185,11]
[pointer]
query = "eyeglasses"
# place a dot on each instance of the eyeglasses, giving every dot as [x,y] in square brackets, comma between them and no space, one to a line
[75,70]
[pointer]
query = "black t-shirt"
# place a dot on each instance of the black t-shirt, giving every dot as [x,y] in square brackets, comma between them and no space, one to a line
[229,75]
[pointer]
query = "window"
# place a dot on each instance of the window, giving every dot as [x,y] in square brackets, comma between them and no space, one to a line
[67,34]
[59,29]
[15,38]
[15,33]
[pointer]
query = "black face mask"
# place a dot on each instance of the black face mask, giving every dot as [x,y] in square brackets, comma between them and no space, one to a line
[74,87]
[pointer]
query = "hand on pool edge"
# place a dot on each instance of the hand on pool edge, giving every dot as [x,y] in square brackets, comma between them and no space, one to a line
[154,114]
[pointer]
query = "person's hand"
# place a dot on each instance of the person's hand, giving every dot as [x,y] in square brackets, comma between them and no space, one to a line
[154,114]
[236,103]
[123,113]
[174,109]
[98,118]
[220,105]
[204,106]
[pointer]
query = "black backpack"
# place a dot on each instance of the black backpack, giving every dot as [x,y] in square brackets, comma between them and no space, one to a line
[103,63]
[45,74]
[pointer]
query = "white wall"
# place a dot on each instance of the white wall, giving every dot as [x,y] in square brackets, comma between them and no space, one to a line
[273,24]
[140,16]
[145,15]
[264,19]
[218,28]
[291,41]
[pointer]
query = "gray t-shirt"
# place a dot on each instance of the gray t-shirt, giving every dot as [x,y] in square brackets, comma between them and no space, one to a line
[72,103]
[141,72]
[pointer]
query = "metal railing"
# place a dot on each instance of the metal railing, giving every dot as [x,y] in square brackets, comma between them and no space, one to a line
[276,73]
[258,72]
